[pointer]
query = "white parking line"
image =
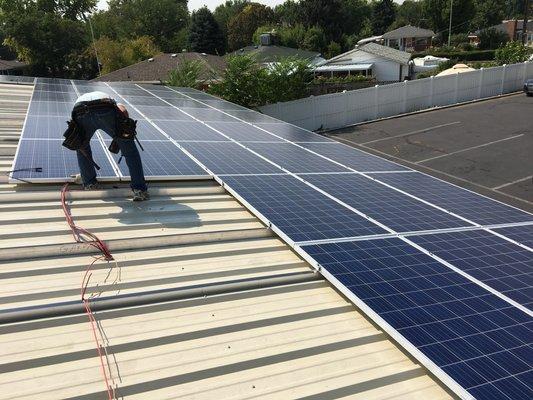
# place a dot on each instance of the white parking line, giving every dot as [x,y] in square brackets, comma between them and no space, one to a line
[468,149]
[513,182]
[414,132]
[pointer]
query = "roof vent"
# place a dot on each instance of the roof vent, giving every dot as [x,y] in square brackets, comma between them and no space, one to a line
[265,39]
[204,54]
[174,55]
[150,60]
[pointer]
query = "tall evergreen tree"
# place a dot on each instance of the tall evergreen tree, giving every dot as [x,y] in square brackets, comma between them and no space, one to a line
[383,15]
[205,36]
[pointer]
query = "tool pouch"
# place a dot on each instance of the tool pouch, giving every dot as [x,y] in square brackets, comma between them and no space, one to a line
[74,136]
[126,127]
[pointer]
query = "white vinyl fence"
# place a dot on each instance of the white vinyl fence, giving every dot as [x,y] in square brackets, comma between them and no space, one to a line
[338,110]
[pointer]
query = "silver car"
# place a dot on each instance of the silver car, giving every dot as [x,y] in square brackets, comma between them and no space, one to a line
[528,87]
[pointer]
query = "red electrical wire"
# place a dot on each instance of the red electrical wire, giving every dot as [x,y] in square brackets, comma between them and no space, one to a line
[81,235]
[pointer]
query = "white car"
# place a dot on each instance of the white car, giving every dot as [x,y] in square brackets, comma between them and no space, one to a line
[528,87]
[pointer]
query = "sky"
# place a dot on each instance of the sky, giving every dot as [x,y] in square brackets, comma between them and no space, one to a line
[195,4]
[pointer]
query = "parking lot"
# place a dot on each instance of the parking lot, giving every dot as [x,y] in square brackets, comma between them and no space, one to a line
[485,146]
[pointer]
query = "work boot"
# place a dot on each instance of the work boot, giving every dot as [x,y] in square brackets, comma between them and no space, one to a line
[92,186]
[140,195]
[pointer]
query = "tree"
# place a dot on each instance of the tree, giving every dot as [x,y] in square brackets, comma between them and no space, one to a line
[492,39]
[326,14]
[291,74]
[162,20]
[226,11]
[288,13]
[241,28]
[438,14]
[315,40]
[334,49]
[488,13]
[355,13]
[205,36]
[512,53]
[45,34]
[410,12]
[186,75]
[115,54]
[383,15]
[433,11]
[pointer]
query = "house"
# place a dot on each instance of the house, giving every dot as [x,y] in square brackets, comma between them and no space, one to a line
[513,28]
[383,63]
[156,69]
[11,67]
[409,38]
[268,52]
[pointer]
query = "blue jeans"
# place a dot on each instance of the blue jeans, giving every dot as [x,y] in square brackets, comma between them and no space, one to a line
[105,120]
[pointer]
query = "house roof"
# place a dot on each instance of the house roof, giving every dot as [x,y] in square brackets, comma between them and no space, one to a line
[272,53]
[283,340]
[389,53]
[409,31]
[158,69]
[7,65]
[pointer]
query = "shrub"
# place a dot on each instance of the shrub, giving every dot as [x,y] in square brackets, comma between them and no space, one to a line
[186,75]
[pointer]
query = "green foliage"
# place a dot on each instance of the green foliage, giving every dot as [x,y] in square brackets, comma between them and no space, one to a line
[288,13]
[162,20]
[241,28]
[492,39]
[334,49]
[326,14]
[245,83]
[187,74]
[383,15]
[513,52]
[225,12]
[410,12]
[315,40]
[342,79]
[459,38]
[116,54]
[488,13]
[205,36]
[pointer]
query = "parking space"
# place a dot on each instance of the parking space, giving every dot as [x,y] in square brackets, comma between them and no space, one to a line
[485,146]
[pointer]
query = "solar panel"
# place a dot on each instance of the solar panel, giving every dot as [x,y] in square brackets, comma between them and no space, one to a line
[44,127]
[50,108]
[294,158]
[242,132]
[57,162]
[145,101]
[162,159]
[292,133]
[496,262]
[187,130]
[479,209]
[298,210]
[146,131]
[520,234]
[393,209]
[22,80]
[251,116]
[208,114]
[164,112]
[223,105]
[45,96]
[478,339]
[229,158]
[353,158]
[184,103]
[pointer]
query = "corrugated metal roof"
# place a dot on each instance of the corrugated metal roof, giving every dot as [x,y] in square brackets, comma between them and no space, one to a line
[279,340]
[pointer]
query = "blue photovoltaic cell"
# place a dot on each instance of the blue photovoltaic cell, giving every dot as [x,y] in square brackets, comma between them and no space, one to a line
[301,212]
[223,105]
[55,97]
[41,127]
[478,209]
[478,339]
[242,132]
[353,158]
[166,112]
[502,265]
[252,116]
[294,158]
[146,131]
[162,159]
[187,130]
[208,114]
[53,87]
[51,108]
[292,133]
[520,234]
[57,162]
[140,101]
[229,158]
[186,103]
[393,209]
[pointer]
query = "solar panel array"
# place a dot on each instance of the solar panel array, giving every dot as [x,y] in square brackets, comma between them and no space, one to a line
[446,272]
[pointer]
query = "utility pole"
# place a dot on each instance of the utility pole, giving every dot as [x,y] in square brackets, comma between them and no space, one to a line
[450,28]
[524,26]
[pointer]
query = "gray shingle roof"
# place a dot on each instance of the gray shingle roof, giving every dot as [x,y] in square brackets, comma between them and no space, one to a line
[158,69]
[409,31]
[401,57]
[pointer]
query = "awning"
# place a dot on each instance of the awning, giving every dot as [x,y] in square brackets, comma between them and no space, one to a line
[344,68]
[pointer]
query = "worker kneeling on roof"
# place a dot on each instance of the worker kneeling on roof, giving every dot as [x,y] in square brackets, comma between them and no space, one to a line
[97,110]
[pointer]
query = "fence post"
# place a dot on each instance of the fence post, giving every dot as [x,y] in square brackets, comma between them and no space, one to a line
[481,77]
[503,79]
[404,106]
[456,90]
[525,72]
[345,92]
[376,102]
[313,113]
[431,91]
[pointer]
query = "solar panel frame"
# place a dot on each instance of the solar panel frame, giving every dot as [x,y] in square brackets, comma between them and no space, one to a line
[522,234]
[243,133]
[291,133]
[189,131]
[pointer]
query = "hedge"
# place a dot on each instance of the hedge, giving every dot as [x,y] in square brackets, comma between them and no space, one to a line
[475,55]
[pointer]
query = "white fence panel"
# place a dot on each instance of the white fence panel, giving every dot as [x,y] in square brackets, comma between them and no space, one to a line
[362,105]
[418,96]
[492,82]
[390,100]
[444,90]
[468,87]
[342,109]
